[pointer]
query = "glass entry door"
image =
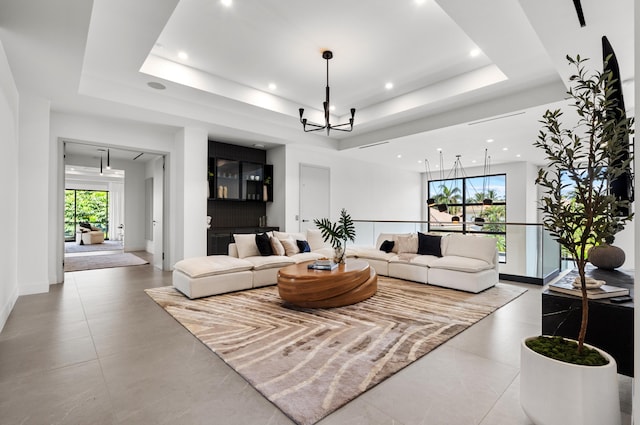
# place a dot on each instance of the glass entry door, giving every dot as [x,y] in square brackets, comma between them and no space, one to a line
[85,206]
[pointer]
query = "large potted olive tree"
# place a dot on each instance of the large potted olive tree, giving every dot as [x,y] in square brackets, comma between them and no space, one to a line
[578,384]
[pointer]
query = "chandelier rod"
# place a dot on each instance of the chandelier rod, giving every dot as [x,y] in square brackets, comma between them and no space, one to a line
[327,54]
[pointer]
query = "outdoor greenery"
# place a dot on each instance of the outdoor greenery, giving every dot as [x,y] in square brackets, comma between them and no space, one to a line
[464,195]
[90,206]
[338,233]
[584,157]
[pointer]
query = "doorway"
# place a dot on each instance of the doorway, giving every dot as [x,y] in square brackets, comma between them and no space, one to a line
[117,176]
[314,194]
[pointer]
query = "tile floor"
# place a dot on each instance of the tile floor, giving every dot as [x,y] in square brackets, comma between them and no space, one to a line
[98,350]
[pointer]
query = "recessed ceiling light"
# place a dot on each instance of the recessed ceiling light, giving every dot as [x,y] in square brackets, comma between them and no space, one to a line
[489,140]
[505,149]
[518,156]
[388,86]
[419,1]
[475,52]
[258,145]
[226,3]
[272,86]
[183,55]
[399,156]
[473,161]
[332,108]
[156,85]
[439,149]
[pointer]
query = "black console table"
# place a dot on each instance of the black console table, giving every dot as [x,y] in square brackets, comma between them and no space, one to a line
[610,325]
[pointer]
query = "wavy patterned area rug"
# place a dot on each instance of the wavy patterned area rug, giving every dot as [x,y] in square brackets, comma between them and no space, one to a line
[104,261]
[309,362]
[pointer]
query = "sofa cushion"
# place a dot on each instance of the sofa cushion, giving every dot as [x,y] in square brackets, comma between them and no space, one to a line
[306,256]
[373,253]
[264,245]
[387,246]
[314,237]
[286,235]
[461,264]
[424,260]
[478,247]
[290,247]
[407,244]
[212,265]
[429,245]
[246,245]
[276,246]
[403,257]
[270,262]
[303,246]
[391,237]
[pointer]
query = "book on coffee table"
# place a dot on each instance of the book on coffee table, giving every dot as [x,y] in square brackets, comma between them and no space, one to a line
[322,266]
[605,291]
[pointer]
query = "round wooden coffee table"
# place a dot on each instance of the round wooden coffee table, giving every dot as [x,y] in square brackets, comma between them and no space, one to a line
[347,284]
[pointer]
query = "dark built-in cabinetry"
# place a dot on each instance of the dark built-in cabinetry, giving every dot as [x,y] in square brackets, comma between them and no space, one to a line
[240,185]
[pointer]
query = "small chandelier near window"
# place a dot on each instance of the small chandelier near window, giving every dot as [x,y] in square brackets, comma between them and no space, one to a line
[327,54]
[431,201]
[442,207]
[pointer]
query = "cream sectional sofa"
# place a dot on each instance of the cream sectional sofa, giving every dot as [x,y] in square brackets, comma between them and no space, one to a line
[464,262]
[245,267]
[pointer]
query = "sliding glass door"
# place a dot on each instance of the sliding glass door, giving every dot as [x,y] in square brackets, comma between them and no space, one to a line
[85,206]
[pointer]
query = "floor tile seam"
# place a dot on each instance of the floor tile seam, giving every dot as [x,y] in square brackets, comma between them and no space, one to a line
[495,403]
[395,420]
[40,372]
[502,363]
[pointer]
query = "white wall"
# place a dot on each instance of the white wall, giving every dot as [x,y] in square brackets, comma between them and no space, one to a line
[134,174]
[8,188]
[33,195]
[366,191]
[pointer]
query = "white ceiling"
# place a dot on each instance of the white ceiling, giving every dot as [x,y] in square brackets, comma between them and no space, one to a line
[97,58]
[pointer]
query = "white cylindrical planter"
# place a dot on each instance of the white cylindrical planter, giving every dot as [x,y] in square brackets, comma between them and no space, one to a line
[558,393]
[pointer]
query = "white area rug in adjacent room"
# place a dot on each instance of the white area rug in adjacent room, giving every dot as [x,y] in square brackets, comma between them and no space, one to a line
[105,261]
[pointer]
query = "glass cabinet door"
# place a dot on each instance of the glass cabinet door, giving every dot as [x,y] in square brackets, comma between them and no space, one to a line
[227,179]
[252,181]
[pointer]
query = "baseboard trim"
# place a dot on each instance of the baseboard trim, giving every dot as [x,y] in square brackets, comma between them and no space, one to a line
[7,308]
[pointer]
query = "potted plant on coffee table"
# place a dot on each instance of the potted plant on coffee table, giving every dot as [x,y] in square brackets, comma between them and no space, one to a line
[337,234]
[580,385]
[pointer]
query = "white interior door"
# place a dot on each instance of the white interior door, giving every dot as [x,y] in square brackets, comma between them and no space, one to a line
[314,194]
[158,202]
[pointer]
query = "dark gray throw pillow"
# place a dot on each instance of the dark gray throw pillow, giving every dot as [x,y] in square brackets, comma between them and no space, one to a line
[303,246]
[264,244]
[429,245]
[387,246]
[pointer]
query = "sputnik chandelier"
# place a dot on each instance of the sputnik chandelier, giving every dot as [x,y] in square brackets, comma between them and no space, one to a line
[327,54]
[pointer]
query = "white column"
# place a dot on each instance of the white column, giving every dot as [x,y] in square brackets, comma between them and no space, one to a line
[191,193]
[33,195]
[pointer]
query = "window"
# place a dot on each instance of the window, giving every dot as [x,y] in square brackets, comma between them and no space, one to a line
[463,198]
[87,206]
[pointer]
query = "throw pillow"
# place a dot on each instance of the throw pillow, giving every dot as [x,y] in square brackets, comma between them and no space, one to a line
[85,225]
[264,245]
[429,245]
[290,247]
[387,246]
[303,246]
[276,246]
[314,237]
[407,244]
[246,245]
